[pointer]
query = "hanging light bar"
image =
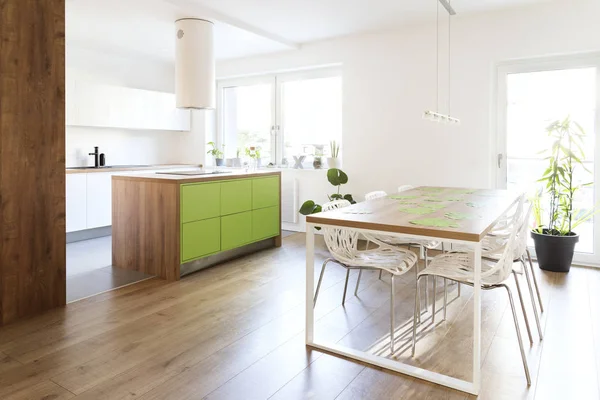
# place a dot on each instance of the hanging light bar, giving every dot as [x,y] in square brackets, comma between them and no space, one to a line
[447,6]
[434,115]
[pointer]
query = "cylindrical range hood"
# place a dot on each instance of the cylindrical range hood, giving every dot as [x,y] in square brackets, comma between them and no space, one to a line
[194,64]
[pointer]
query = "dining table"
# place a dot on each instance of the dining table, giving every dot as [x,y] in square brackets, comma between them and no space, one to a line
[461,216]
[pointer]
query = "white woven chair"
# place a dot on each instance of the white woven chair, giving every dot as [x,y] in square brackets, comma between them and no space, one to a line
[343,246]
[425,245]
[375,195]
[493,246]
[458,266]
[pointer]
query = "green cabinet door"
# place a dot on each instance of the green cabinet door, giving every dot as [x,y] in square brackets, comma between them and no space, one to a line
[265,223]
[265,192]
[236,196]
[200,201]
[236,230]
[200,238]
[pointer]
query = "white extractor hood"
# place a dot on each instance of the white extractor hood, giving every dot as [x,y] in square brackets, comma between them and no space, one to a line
[194,64]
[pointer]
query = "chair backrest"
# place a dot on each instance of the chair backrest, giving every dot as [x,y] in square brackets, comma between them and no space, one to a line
[404,188]
[375,195]
[334,205]
[341,243]
[523,234]
[504,265]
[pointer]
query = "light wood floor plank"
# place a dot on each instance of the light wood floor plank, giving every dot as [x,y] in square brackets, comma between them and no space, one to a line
[45,390]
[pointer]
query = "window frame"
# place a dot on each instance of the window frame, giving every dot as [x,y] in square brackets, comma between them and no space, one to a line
[276,80]
[553,63]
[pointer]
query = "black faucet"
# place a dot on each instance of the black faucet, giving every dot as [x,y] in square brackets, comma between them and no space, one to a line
[96,154]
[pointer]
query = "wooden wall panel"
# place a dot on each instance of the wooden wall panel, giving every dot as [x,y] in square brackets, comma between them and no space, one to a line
[32,157]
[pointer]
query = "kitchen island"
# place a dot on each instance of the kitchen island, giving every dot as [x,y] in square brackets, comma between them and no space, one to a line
[172,225]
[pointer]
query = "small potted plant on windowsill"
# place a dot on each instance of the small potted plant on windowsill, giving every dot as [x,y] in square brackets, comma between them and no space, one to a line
[254,153]
[334,161]
[556,220]
[216,153]
[237,161]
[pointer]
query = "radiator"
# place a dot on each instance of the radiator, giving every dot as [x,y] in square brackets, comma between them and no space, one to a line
[289,199]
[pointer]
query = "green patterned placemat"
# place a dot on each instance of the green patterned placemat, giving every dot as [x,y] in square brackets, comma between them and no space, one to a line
[436,222]
[417,210]
[474,205]
[434,199]
[435,206]
[403,196]
[431,189]
[461,191]
[459,215]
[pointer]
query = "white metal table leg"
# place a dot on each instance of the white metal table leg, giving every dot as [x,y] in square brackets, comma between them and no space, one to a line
[310,282]
[477,318]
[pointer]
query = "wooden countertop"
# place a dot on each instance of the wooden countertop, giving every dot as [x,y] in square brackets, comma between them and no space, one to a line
[179,179]
[132,168]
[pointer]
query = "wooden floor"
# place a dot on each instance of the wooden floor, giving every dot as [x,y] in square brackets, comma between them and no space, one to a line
[236,332]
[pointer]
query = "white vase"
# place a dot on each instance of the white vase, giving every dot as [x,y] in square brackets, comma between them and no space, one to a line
[333,162]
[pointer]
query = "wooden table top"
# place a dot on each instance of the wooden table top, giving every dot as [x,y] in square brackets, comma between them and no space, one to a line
[473,212]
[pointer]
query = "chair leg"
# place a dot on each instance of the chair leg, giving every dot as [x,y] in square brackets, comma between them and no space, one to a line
[346,286]
[358,282]
[319,283]
[537,289]
[380,271]
[445,297]
[459,290]
[417,312]
[417,293]
[535,311]
[426,260]
[434,299]
[392,317]
[512,306]
[523,308]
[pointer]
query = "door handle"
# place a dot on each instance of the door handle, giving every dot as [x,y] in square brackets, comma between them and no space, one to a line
[500,158]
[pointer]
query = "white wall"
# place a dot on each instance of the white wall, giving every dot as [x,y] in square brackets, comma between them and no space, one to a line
[389,80]
[123,146]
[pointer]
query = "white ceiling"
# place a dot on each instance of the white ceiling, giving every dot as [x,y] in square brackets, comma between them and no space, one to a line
[146,27]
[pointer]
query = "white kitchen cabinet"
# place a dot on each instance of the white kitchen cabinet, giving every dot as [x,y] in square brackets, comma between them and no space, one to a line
[98,105]
[76,203]
[99,199]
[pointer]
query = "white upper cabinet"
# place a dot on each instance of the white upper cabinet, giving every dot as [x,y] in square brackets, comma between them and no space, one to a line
[97,105]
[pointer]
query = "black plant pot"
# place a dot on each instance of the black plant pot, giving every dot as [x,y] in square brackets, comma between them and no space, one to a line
[554,253]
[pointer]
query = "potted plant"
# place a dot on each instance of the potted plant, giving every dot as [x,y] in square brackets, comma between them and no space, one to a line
[337,178]
[555,219]
[318,157]
[237,161]
[333,161]
[216,153]
[254,154]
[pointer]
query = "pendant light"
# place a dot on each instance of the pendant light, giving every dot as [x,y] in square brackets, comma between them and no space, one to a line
[435,116]
[194,64]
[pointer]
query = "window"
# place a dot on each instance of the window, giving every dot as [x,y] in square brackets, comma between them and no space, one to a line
[287,115]
[531,96]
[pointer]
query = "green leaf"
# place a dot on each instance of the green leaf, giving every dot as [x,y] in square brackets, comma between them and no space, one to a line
[349,198]
[336,196]
[337,177]
[309,207]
